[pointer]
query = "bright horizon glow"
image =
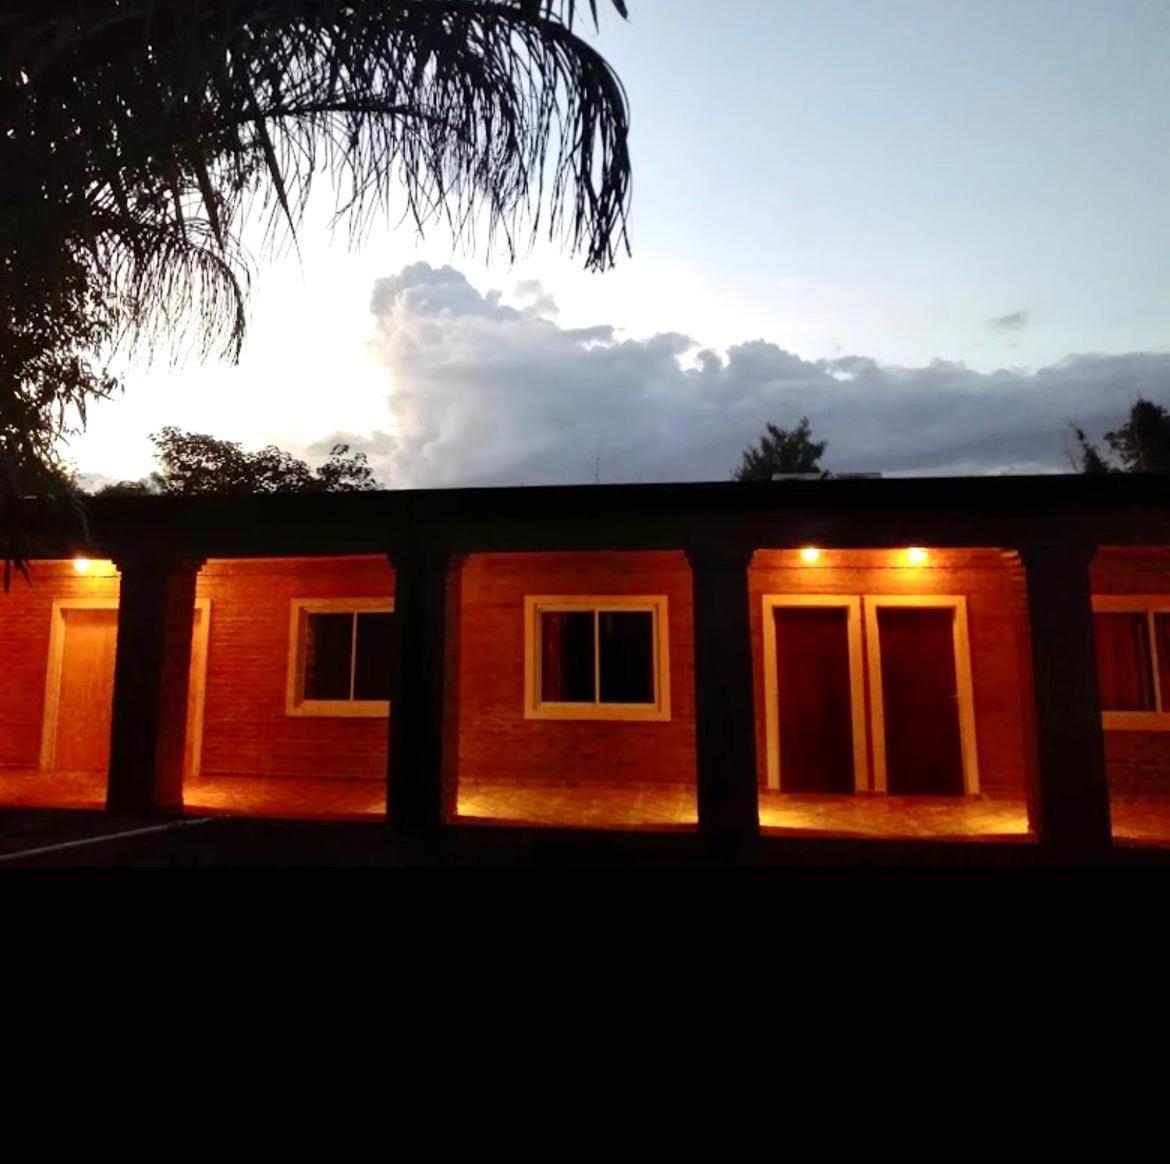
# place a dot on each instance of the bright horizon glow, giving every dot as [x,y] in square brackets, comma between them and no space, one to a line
[981,184]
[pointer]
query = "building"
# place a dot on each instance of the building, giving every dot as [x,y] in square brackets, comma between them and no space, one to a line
[950,662]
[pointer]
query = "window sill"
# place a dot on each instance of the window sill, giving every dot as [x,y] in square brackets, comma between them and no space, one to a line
[340,709]
[627,712]
[1135,721]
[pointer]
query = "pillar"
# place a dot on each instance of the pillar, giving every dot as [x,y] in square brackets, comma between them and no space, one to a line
[414,775]
[156,611]
[725,729]
[1072,794]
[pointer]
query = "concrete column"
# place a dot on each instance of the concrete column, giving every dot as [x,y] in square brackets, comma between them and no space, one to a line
[1071,800]
[414,775]
[156,612]
[725,727]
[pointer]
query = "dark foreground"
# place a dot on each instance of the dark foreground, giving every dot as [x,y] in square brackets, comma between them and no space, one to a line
[30,838]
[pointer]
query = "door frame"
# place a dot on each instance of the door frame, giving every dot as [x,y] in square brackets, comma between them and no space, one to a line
[852,604]
[199,640]
[964,687]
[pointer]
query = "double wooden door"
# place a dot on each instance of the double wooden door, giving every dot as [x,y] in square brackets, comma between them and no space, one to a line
[869,693]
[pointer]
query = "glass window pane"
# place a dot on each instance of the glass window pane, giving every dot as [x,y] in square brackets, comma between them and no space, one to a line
[1124,669]
[566,656]
[375,647]
[328,643]
[626,642]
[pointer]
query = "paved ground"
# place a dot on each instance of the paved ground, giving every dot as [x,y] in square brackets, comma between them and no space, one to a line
[635,808]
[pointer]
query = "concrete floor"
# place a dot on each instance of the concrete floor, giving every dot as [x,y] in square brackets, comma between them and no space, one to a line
[1143,820]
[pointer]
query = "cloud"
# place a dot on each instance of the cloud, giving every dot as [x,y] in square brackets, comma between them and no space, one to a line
[480,392]
[1013,321]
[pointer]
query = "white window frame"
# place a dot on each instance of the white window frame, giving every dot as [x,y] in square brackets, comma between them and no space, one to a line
[852,604]
[537,605]
[295,703]
[1149,605]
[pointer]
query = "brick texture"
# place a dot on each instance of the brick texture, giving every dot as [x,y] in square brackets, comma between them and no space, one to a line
[25,620]
[496,742]
[1137,762]
[991,581]
[246,729]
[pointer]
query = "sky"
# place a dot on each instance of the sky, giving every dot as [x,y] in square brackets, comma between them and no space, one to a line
[939,228]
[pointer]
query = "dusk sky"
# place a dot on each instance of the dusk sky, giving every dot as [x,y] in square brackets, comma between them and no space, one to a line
[941,228]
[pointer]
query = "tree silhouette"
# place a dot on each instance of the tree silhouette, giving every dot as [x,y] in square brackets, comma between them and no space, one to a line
[194,463]
[1141,445]
[136,134]
[782,450]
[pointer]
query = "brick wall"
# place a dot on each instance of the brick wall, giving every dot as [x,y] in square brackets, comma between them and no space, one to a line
[993,586]
[246,729]
[497,742]
[1137,762]
[25,621]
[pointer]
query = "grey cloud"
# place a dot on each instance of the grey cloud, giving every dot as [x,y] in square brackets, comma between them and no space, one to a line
[540,302]
[481,393]
[1013,321]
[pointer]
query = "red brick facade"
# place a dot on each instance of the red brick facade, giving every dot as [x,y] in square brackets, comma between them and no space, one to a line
[497,742]
[1137,762]
[26,613]
[247,730]
[993,585]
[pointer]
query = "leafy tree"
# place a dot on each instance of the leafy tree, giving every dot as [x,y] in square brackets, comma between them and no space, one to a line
[135,135]
[193,463]
[782,450]
[1087,458]
[1141,445]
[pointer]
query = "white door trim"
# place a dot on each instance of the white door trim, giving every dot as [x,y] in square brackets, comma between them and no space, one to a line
[199,642]
[851,603]
[962,645]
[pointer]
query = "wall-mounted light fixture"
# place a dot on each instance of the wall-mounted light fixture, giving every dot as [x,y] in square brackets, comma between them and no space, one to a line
[81,564]
[916,556]
[810,555]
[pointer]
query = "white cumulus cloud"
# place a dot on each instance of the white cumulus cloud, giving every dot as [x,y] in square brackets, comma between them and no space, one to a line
[480,392]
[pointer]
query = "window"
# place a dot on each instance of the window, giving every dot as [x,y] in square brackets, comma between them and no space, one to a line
[339,656]
[596,658]
[1132,634]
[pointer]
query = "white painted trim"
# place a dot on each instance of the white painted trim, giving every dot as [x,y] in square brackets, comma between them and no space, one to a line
[51,714]
[964,686]
[200,641]
[656,605]
[294,704]
[852,604]
[1149,605]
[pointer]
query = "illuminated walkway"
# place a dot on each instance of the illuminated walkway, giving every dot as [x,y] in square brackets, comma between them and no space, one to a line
[628,807]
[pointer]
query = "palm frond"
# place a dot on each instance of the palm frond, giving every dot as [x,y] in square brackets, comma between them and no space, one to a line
[162,121]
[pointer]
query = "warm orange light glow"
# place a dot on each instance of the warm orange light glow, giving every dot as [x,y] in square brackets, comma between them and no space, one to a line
[916,555]
[810,554]
[81,565]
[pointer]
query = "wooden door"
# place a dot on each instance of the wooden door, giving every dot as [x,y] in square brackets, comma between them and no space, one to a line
[920,701]
[86,690]
[814,703]
[85,695]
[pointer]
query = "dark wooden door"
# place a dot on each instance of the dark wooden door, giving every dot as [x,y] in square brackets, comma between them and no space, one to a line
[924,753]
[814,698]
